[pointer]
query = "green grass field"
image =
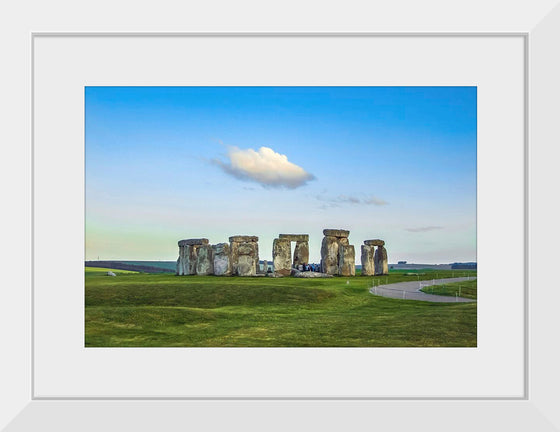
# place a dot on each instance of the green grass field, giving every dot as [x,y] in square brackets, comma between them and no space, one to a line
[465,289]
[163,310]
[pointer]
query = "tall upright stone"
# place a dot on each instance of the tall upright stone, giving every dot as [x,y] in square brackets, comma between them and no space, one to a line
[384,260]
[204,260]
[381,261]
[188,250]
[281,256]
[329,255]
[368,263]
[301,253]
[333,251]
[346,260]
[222,260]
[244,252]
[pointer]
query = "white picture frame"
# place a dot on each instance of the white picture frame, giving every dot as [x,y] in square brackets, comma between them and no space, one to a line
[535,410]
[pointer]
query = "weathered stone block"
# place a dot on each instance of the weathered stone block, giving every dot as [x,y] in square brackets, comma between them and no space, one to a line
[336,233]
[243,239]
[222,261]
[247,249]
[234,256]
[204,260]
[281,256]
[246,266]
[368,263]
[381,262]
[301,253]
[191,242]
[375,242]
[385,261]
[295,237]
[186,263]
[329,255]
[346,260]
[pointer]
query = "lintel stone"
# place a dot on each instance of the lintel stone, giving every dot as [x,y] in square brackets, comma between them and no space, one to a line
[336,233]
[243,239]
[193,242]
[295,237]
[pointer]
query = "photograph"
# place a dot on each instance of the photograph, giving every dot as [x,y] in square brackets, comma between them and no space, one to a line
[310,216]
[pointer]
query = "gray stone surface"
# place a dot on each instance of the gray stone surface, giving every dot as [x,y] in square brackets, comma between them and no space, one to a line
[246,266]
[243,239]
[381,262]
[343,241]
[384,260]
[346,260]
[375,242]
[204,260]
[336,233]
[368,264]
[186,263]
[247,249]
[281,256]
[222,261]
[244,253]
[191,257]
[234,256]
[301,253]
[295,237]
[110,273]
[329,255]
[191,242]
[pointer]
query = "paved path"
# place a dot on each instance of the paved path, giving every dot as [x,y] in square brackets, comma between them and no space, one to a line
[411,290]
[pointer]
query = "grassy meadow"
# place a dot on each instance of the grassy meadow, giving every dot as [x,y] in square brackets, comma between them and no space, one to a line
[465,289]
[164,310]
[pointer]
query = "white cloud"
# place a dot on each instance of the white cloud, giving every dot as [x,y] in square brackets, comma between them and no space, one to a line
[264,166]
[353,200]
[424,229]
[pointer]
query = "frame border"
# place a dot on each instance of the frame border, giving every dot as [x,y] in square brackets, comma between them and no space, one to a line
[523,35]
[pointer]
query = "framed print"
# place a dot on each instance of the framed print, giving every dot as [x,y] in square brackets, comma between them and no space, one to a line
[507,375]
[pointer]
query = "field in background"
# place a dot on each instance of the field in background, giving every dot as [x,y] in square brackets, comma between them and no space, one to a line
[163,310]
[465,289]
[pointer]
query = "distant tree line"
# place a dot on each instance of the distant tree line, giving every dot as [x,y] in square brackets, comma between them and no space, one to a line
[463,266]
[131,267]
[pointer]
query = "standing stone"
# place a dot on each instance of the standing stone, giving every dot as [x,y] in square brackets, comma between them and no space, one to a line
[281,256]
[186,263]
[384,260]
[222,261]
[301,253]
[381,262]
[180,267]
[265,266]
[246,266]
[204,260]
[346,262]
[256,257]
[368,263]
[329,255]
[244,252]
[191,259]
[234,256]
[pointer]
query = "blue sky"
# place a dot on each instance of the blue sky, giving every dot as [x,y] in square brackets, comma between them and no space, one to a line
[167,163]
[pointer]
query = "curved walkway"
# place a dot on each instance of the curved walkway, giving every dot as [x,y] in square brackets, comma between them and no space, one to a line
[411,290]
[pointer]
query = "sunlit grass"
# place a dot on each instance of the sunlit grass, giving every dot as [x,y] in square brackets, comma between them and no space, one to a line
[135,309]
